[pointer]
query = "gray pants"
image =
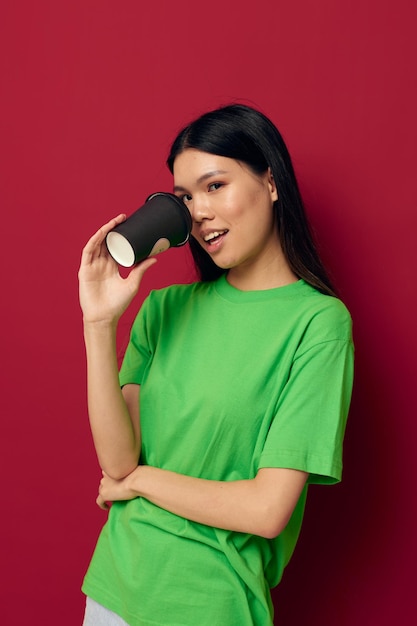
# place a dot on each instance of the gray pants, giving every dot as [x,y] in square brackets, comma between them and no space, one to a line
[97,615]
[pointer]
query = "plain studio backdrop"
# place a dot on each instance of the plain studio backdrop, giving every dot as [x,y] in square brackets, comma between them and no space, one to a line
[93,92]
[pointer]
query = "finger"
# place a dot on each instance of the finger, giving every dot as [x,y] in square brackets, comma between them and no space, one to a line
[136,274]
[102,503]
[94,244]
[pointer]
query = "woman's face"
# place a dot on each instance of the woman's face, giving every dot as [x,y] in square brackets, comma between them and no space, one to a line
[231,208]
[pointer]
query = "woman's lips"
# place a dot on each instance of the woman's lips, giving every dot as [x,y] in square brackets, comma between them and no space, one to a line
[214,240]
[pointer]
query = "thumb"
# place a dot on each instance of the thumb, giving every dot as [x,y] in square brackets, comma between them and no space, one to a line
[136,274]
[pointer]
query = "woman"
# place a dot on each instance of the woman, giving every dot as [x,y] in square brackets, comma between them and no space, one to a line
[244,380]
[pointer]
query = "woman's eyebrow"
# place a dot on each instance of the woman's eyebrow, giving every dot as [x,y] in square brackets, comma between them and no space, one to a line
[202,178]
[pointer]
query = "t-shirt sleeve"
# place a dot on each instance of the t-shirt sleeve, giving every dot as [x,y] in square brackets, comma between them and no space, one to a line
[138,352]
[309,425]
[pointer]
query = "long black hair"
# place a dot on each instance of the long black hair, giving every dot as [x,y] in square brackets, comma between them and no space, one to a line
[242,133]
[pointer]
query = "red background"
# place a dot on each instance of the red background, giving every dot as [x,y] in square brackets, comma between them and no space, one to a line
[93,93]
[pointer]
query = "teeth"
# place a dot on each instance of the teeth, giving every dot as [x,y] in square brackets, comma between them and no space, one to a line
[213,235]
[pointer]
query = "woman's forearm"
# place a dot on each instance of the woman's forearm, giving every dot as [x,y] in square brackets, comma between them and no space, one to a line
[114,424]
[260,506]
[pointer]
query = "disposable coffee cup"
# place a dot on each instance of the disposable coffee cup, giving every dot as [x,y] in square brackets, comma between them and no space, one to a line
[161,223]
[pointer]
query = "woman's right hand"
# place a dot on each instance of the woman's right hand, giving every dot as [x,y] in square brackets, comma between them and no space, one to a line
[104,294]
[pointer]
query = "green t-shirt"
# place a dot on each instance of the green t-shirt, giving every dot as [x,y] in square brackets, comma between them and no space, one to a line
[231,382]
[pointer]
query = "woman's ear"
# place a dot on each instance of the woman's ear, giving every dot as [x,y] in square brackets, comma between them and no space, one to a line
[272,186]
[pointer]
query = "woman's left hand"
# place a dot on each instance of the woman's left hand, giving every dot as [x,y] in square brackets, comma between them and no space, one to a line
[111,490]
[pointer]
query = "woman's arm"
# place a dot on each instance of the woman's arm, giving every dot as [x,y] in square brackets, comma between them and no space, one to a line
[260,506]
[113,413]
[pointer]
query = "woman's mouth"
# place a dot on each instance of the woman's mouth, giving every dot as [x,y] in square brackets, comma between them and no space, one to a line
[213,238]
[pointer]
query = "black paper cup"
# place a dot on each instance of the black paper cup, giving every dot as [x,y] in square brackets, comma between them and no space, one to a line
[161,223]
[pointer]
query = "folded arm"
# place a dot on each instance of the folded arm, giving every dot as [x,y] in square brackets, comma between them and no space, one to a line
[260,506]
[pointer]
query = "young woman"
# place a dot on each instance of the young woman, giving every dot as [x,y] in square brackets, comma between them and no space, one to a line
[244,381]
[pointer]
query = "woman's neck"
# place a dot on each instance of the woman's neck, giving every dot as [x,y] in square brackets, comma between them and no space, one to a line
[269,275]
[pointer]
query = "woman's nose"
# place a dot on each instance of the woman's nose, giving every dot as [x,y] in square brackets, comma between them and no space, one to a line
[200,209]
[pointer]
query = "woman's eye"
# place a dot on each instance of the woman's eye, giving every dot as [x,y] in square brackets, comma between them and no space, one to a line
[214,186]
[186,198]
